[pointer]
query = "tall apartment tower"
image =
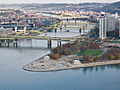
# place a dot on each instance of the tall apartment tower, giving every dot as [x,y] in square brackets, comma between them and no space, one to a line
[106,24]
[119,26]
[102,26]
[110,22]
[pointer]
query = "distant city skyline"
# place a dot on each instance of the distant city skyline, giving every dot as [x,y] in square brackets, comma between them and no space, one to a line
[54,1]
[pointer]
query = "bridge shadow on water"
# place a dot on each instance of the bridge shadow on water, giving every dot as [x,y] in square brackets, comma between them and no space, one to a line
[30,48]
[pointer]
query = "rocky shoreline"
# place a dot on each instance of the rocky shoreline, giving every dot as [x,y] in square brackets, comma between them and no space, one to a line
[45,64]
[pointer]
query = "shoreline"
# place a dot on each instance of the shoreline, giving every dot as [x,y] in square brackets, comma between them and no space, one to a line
[35,66]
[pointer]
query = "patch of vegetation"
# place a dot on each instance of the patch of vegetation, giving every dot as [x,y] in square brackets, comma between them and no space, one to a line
[113,41]
[113,34]
[94,33]
[111,54]
[94,52]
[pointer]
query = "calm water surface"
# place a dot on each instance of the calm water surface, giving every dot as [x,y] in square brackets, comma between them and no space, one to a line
[13,77]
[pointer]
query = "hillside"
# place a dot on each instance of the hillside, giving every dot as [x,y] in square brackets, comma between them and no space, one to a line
[57,6]
[98,7]
[112,8]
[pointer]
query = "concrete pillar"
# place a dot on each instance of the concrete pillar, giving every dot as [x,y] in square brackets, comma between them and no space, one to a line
[0,43]
[49,43]
[59,43]
[83,30]
[55,30]
[15,29]
[24,30]
[5,43]
[67,19]
[75,21]
[86,27]
[15,43]
[80,31]
[65,26]
[60,28]
[8,41]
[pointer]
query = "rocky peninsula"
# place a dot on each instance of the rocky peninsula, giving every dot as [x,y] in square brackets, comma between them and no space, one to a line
[75,55]
[52,65]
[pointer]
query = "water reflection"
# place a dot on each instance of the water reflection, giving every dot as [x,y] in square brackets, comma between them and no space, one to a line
[102,68]
[76,69]
[26,48]
[98,68]
[87,69]
[117,66]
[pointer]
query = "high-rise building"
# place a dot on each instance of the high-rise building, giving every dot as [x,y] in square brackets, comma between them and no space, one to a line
[119,26]
[102,26]
[106,24]
[110,22]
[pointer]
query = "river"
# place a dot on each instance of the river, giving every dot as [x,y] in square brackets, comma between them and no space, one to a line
[13,77]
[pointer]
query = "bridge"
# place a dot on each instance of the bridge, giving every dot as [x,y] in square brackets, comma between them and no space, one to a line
[7,39]
[82,26]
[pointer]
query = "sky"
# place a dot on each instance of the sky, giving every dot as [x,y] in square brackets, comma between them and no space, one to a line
[55,1]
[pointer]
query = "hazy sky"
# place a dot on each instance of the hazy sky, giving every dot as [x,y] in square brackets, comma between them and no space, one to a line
[55,1]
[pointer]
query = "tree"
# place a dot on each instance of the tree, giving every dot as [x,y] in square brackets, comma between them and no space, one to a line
[118,55]
[112,57]
[91,59]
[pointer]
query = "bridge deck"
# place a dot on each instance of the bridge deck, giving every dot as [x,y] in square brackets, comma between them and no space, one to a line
[41,38]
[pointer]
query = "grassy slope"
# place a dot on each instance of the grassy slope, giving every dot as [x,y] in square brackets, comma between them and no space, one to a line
[90,52]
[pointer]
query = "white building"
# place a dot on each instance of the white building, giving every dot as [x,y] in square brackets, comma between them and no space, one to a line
[102,27]
[106,24]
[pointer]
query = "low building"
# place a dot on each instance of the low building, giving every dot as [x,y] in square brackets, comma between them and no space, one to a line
[76,62]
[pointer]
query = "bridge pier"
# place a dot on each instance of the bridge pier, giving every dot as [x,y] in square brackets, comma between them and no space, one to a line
[60,28]
[49,43]
[0,43]
[80,31]
[55,30]
[8,41]
[5,43]
[65,26]
[15,43]
[83,30]
[75,21]
[59,43]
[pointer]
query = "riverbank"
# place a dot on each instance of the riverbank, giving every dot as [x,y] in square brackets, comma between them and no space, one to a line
[41,65]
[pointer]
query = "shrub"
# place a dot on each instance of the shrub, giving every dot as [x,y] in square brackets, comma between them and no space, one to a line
[112,54]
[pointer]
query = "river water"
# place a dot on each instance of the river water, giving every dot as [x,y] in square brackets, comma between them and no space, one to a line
[13,77]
